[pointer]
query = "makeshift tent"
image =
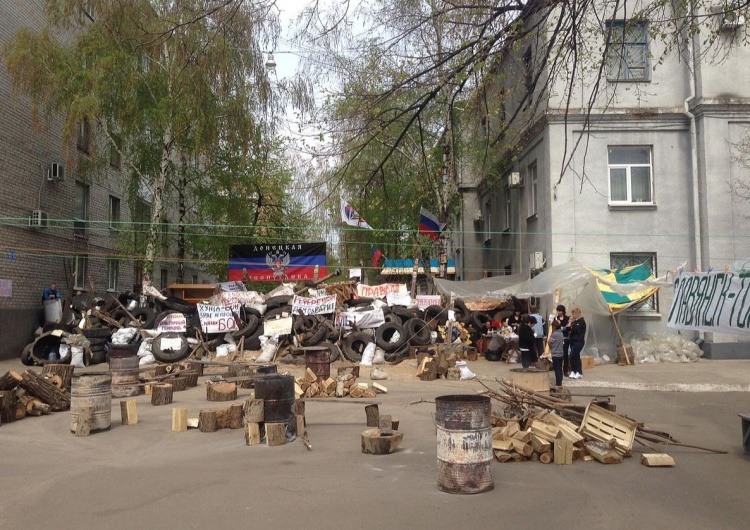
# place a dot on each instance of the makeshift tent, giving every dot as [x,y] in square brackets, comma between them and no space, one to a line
[480,292]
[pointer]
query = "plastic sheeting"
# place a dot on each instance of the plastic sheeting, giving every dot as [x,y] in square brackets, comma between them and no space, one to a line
[474,290]
[664,348]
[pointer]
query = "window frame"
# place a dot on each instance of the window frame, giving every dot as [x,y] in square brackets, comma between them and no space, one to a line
[80,261]
[618,260]
[113,274]
[532,173]
[621,48]
[80,222]
[115,212]
[628,176]
[487,228]
[83,136]
[508,206]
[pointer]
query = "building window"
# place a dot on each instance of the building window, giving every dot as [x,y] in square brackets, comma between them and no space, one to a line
[115,160]
[164,275]
[195,278]
[79,272]
[507,210]
[630,175]
[83,138]
[113,269]
[114,212]
[533,187]
[81,213]
[627,51]
[488,223]
[137,278]
[528,71]
[621,260]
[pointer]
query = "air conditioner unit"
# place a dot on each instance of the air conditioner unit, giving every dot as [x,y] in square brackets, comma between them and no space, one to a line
[536,261]
[56,172]
[478,216]
[514,180]
[38,218]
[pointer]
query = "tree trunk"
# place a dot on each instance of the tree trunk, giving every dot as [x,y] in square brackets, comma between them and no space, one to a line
[39,387]
[182,213]
[157,203]
[7,406]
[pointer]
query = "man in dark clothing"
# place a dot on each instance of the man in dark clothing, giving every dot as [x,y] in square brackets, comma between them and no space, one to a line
[51,293]
[563,320]
[526,342]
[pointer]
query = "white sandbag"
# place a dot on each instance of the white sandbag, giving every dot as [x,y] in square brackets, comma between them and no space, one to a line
[368,355]
[123,336]
[466,374]
[379,357]
[64,350]
[376,374]
[77,356]
[267,349]
[222,350]
[147,359]
[145,347]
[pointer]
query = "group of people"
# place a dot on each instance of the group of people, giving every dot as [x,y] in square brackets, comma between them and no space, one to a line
[565,342]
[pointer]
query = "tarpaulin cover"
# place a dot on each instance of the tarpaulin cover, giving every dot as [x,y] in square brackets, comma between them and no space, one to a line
[610,282]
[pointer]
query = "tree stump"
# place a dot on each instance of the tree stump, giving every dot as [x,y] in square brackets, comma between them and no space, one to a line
[221,391]
[161,394]
[230,418]
[64,371]
[83,423]
[375,443]
[373,415]
[179,419]
[275,434]
[161,369]
[192,378]
[129,412]
[39,387]
[207,421]
[197,367]
[254,411]
[7,406]
[179,384]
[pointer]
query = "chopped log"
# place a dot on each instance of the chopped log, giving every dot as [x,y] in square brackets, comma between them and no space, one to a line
[453,374]
[350,383]
[161,369]
[579,453]
[521,447]
[545,458]
[299,407]
[39,387]
[657,460]
[604,452]
[518,457]
[373,416]
[179,419]
[34,406]
[511,429]
[179,384]
[254,411]
[395,422]
[300,423]
[9,380]
[540,445]
[376,443]
[221,391]
[232,417]
[544,431]
[328,386]
[428,369]
[128,412]
[207,421]
[503,456]
[7,406]
[310,376]
[340,389]
[275,434]
[192,378]
[161,394]
[19,412]
[563,451]
[380,388]
[298,392]
[148,388]
[572,436]
[523,436]
[356,392]
[54,379]
[534,457]
[83,423]
[503,445]
[385,424]
[252,433]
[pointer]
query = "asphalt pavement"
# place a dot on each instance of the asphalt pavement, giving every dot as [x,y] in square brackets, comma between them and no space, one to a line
[147,476]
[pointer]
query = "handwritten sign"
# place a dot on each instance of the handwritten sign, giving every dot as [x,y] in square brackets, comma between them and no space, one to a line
[276,327]
[718,302]
[363,319]
[236,297]
[232,287]
[380,291]
[398,299]
[216,319]
[426,300]
[313,306]
[175,322]
[317,293]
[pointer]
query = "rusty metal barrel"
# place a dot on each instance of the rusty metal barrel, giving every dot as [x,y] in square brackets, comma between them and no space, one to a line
[277,393]
[95,390]
[464,444]
[318,359]
[125,376]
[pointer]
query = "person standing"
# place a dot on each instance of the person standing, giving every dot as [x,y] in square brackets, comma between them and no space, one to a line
[50,293]
[564,320]
[526,342]
[537,324]
[577,338]
[556,349]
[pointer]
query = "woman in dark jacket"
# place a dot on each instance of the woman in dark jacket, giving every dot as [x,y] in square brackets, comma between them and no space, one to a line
[577,339]
[526,342]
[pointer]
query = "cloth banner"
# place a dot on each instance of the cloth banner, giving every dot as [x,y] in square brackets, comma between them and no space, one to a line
[380,291]
[236,297]
[714,302]
[426,300]
[398,299]
[217,319]
[283,262]
[174,322]
[313,306]
[363,319]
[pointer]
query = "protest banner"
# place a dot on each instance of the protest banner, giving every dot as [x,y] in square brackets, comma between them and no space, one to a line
[276,327]
[174,322]
[713,302]
[363,319]
[398,299]
[232,287]
[313,306]
[216,319]
[426,300]
[236,297]
[380,291]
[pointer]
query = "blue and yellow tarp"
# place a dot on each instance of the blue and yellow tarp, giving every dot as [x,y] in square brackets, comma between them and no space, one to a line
[618,301]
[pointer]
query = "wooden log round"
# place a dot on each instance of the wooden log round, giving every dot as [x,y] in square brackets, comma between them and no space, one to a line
[208,421]
[179,384]
[192,378]
[10,380]
[38,386]
[375,443]
[35,406]
[161,394]
[64,371]
[7,406]
[221,391]
[373,415]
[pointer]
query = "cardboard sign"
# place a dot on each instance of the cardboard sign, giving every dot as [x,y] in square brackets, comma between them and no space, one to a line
[317,293]
[355,273]
[380,291]
[363,319]
[175,322]
[426,300]
[398,299]
[216,319]
[232,287]
[279,326]
[313,306]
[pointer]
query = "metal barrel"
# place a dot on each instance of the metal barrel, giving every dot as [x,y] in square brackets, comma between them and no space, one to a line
[318,359]
[277,393]
[94,390]
[125,376]
[464,444]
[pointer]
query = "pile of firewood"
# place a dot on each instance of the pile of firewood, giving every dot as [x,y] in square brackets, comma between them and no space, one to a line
[345,384]
[33,393]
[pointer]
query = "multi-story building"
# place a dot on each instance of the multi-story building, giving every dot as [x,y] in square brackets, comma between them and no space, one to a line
[640,164]
[57,224]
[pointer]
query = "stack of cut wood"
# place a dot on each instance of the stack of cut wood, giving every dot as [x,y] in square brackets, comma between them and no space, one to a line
[545,438]
[344,385]
[438,361]
[33,393]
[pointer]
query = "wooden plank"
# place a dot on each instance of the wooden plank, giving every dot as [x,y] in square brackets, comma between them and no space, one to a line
[275,434]
[604,452]
[83,424]
[300,423]
[252,433]
[563,451]
[179,419]
[657,460]
[544,431]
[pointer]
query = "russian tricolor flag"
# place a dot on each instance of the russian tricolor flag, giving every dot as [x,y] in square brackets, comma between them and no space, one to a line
[429,225]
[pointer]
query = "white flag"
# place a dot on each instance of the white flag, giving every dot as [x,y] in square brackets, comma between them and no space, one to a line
[350,216]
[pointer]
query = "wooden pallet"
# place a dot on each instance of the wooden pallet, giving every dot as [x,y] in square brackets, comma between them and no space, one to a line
[603,425]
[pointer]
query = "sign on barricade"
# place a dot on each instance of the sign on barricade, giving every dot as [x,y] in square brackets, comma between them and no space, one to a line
[380,291]
[217,319]
[313,306]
